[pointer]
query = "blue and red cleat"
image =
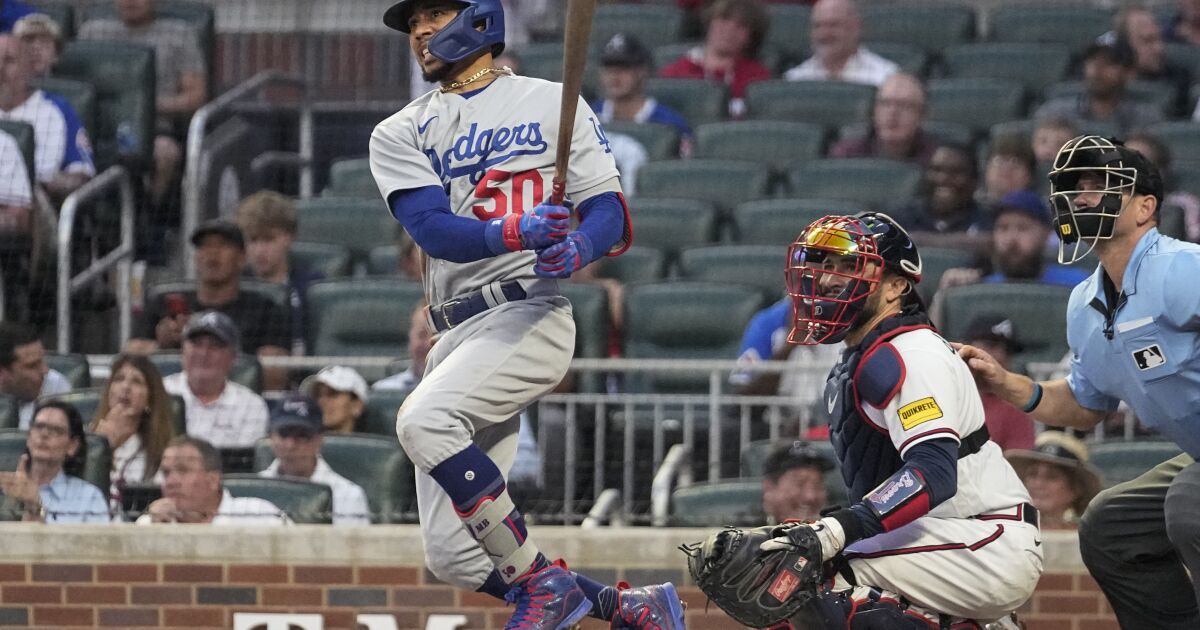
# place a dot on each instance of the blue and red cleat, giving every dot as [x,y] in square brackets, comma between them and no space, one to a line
[547,600]
[648,608]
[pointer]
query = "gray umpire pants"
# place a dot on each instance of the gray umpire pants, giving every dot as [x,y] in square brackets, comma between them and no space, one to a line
[1139,539]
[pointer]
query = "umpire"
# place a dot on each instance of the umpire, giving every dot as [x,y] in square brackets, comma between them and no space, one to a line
[1134,331]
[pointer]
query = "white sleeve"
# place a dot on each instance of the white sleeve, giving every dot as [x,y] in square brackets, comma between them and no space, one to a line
[926,407]
[14,176]
[396,159]
[592,160]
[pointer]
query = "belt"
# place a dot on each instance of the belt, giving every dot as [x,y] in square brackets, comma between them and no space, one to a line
[457,310]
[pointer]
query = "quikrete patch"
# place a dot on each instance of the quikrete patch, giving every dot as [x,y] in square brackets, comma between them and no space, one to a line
[918,412]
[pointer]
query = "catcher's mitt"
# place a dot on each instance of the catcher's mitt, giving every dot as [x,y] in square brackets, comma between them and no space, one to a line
[758,588]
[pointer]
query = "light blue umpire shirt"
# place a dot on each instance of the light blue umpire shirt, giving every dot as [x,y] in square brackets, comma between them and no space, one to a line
[69,499]
[1147,352]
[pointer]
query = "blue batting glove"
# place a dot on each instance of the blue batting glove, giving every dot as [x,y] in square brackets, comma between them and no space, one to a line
[563,259]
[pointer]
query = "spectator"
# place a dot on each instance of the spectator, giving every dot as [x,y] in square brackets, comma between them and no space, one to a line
[1049,135]
[1007,425]
[24,375]
[268,221]
[43,42]
[62,154]
[624,65]
[341,392]
[1154,150]
[192,492]
[1009,168]
[735,29]
[1108,67]
[11,11]
[296,429]
[1059,478]
[16,222]
[1184,26]
[947,204]
[420,342]
[179,77]
[794,483]
[46,486]
[895,127]
[1138,27]
[835,30]
[219,411]
[136,417]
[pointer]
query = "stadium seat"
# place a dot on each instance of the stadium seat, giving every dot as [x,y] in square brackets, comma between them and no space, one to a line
[1182,138]
[779,221]
[773,144]
[666,54]
[1187,178]
[351,177]
[910,57]
[724,183]
[697,100]
[672,224]
[357,224]
[1157,93]
[790,35]
[9,413]
[755,266]
[1183,55]
[651,24]
[360,317]
[831,104]
[932,27]
[74,366]
[12,445]
[1023,128]
[200,16]
[383,260]
[379,416]
[61,11]
[948,132]
[934,262]
[1121,461]
[877,183]
[86,401]
[331,260]
[1038,311]
[684,320]
[976,103]
[81,96]
[718,504]
[247,371]
[305,502]
[1034,65]
[640,263]
[96,468]
[123,75]
[1074,25]
[589,305]
[660,141]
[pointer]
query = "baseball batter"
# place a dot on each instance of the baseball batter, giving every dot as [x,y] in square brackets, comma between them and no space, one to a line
[465,168]
[943,532]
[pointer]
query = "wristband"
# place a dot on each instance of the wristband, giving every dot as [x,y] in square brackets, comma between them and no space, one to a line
[1035,399]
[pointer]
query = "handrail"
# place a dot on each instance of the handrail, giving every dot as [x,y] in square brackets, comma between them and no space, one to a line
[193,175]
[120,257]
[677,463]
[607,505]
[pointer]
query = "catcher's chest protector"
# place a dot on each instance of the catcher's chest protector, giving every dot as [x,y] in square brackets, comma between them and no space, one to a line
[866,452]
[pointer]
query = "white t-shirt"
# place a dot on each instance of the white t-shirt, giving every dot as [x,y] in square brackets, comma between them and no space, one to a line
[238,418]
[350,505]
[54,384]
[241,511]
[863,66]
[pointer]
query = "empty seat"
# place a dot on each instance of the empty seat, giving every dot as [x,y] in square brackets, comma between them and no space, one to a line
[589,306]
[779,221]
[877,183]
[1076,26]
[640,263]
[755,266]
[831,104]
[379,416]
[790,30]
[81,96]
[934,262]
[331,260]
[1160,94]
[1038,311]
[351,177]
[724,183]
[697,100]
[660,141]
[718,504]
[305,502]
[357,224]
[1034,65]
[976,103]
[367,317]
[948,132]
[1182,138]
[932,27]
[123,75]
[1122,461]
[74,366]
[773,144]
[651,24]
[383,260]
[199,16]
[672,224]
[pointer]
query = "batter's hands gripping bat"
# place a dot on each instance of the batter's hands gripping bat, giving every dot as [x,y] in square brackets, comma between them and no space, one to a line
[575,49]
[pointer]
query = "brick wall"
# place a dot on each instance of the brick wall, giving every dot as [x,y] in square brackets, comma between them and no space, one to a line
[192,577]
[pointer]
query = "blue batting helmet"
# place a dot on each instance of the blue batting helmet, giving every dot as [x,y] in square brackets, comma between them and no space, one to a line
[461,37]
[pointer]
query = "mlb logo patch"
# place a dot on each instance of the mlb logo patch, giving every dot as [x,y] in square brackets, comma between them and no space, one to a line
[1149,357]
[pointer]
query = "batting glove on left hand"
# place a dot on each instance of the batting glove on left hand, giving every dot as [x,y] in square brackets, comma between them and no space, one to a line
[563,259]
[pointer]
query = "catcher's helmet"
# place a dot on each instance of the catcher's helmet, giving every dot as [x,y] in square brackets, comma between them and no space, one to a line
[867,243]
[1086,214]
[461,37]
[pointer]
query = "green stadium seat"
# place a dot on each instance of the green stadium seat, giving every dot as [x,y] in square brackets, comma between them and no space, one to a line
[351,177]
[1038,311]
[651,24]
[1076,26]
[660,141]
[1157,93]
[1122,461]
[383,260]
[200,16]
[697,100]
[1034,65]
[1187,178]
[589,305]
[779,221]
[932,27]
[669,225]
[277,293]
[544,60]
[877,183]
[81,96]
[74,366]
[354,223]
[790,30]
[1023,128]
[379,417]
[331,260]
[724,183]
[755,266]
[305,502]
[640,263]
[718,504]
[367,317]
[9,413]
[910,57]
[774,144]
[61,11]
[948,132]
[684,320]
[96,468]
[831,104]
[1182,138]
[934,262]
[123,75]
[976,103]
[667,54]
[1183,55]
[86,401]
[247,371]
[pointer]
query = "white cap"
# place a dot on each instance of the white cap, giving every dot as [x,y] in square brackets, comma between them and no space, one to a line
[338,378]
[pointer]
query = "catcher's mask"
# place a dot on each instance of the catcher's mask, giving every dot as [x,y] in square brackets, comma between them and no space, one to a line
[1091,182]
[837,263]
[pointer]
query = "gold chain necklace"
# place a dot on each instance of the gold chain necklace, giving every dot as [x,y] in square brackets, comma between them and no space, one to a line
[475,77]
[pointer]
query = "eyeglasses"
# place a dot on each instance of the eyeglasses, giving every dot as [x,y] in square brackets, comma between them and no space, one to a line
[52,430]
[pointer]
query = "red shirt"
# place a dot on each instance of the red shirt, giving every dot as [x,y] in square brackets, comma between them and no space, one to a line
[745,71]
[1008,426]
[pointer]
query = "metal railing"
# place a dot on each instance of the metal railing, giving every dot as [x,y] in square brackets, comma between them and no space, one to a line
[120,257]
[195,174]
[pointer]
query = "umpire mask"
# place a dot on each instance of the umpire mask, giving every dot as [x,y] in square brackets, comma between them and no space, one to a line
[833,267]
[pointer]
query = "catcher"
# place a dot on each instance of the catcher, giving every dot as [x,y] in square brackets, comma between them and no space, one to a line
[943,535]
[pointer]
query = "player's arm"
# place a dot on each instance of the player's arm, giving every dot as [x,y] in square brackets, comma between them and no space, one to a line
[602,229]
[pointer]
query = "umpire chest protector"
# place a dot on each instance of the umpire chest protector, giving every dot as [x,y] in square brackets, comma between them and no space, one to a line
[870,373]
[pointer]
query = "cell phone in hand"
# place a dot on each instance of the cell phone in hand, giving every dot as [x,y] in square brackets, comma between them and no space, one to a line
[176,305]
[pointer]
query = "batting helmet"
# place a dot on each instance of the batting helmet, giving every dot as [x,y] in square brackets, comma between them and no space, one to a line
[461,37]
[829,294]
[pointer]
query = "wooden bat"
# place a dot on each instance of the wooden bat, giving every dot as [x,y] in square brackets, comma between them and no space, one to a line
[575,50]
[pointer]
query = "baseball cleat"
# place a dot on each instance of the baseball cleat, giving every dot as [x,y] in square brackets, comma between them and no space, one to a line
[655,607]
[547,600]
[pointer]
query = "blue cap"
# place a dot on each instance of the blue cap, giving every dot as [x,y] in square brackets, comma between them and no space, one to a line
[1026,201]
[299,412]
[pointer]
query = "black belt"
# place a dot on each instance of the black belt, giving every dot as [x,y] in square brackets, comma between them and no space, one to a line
[973,442]
[455,311]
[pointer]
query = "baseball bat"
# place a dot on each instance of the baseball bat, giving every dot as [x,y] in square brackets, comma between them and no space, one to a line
[575,49]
